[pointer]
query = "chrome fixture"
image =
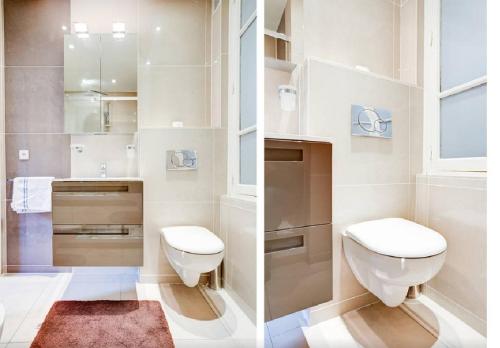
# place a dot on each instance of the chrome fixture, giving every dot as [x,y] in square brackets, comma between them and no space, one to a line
[288,97]
[182,160]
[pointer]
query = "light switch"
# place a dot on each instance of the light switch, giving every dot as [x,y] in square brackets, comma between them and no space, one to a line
[24,155]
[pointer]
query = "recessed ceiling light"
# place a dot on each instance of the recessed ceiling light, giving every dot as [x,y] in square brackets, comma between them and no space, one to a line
[148,62]
[71,46]
[81,30]
[119,30]
[158,28]
[113,81]
[64,28]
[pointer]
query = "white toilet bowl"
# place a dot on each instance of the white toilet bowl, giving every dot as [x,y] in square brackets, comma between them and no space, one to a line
[388,256]
[191,250]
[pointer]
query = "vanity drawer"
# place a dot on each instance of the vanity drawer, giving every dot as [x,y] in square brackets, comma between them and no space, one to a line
[78,247]
[97,203]
[298,269]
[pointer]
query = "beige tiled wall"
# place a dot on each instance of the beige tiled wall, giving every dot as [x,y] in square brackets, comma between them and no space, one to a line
[97,149]
[174,63]
[355,32]
[275,119]
[371,176]
[238,231]
[173,197]
[456,208]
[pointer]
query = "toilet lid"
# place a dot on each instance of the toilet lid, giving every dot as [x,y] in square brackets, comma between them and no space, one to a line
[193,239]
[397,237]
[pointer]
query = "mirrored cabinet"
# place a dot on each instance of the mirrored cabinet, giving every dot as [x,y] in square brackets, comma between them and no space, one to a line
[100,84]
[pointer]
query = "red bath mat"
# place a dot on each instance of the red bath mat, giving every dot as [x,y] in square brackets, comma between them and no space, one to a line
[110,324]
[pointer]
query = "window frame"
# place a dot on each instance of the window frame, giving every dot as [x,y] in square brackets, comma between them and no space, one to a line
[433,95]
[234,133]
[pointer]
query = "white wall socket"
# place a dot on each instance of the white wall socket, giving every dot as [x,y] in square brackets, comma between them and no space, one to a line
[24,155]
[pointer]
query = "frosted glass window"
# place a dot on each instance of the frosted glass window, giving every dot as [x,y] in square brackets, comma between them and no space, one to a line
[248,79]
[463,124]
[248,7]
[248,158]
[463,41]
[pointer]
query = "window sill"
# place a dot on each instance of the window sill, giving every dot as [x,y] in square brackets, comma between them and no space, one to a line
[240,201]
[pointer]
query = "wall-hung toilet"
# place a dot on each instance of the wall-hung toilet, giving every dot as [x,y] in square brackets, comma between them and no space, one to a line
[191,250]
[388,256]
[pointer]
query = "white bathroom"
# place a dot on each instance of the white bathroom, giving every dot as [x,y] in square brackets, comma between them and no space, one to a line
[378,84]
[116,184]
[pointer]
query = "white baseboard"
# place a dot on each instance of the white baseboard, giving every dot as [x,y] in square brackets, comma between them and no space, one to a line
[329,310]
[456,309]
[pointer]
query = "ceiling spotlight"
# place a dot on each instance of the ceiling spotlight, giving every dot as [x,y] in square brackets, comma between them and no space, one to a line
[119,30]
[158,28]
[81,30]
[64,28]
[113,81]
[148,62]
[71,46]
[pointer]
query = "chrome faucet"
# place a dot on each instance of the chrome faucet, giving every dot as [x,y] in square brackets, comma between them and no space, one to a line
[103,170]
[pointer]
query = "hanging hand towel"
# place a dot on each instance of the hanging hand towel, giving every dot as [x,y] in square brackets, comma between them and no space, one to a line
[32,195]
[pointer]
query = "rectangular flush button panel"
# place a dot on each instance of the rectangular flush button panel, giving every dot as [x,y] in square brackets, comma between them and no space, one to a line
[182,160]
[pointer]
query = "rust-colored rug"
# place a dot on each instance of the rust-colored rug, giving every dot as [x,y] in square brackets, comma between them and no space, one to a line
[110,324]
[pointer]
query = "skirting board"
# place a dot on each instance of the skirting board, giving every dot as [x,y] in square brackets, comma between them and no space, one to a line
[169,278]
[329,310]
[456,309]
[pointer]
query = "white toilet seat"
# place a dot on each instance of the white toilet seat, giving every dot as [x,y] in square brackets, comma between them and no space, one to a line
[397,237]
[182,238]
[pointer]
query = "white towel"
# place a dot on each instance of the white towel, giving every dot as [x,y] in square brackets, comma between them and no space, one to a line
[32,195]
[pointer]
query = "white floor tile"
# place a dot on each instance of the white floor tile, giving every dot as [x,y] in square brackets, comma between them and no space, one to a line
[288,322]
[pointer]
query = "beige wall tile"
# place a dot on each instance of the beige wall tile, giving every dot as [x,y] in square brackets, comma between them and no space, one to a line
[176,186]
[408,41]
[416,132]
[100,15]
[459,214]
[355,32]
[181,40]
[358,160]
[109,149]
[275,119]
[239,232]
[168,94]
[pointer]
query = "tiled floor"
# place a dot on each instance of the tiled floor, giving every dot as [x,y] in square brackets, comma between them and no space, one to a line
[28,298]
[379,326]
[286,332]
[375,326]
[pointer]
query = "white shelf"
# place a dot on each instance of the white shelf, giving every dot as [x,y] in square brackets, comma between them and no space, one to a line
[278,64]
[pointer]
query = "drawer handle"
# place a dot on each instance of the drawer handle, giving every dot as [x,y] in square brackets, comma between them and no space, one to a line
[108,237]
[284,244]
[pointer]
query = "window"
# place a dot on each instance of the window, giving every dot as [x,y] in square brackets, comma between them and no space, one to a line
[243,97]
[455,84]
